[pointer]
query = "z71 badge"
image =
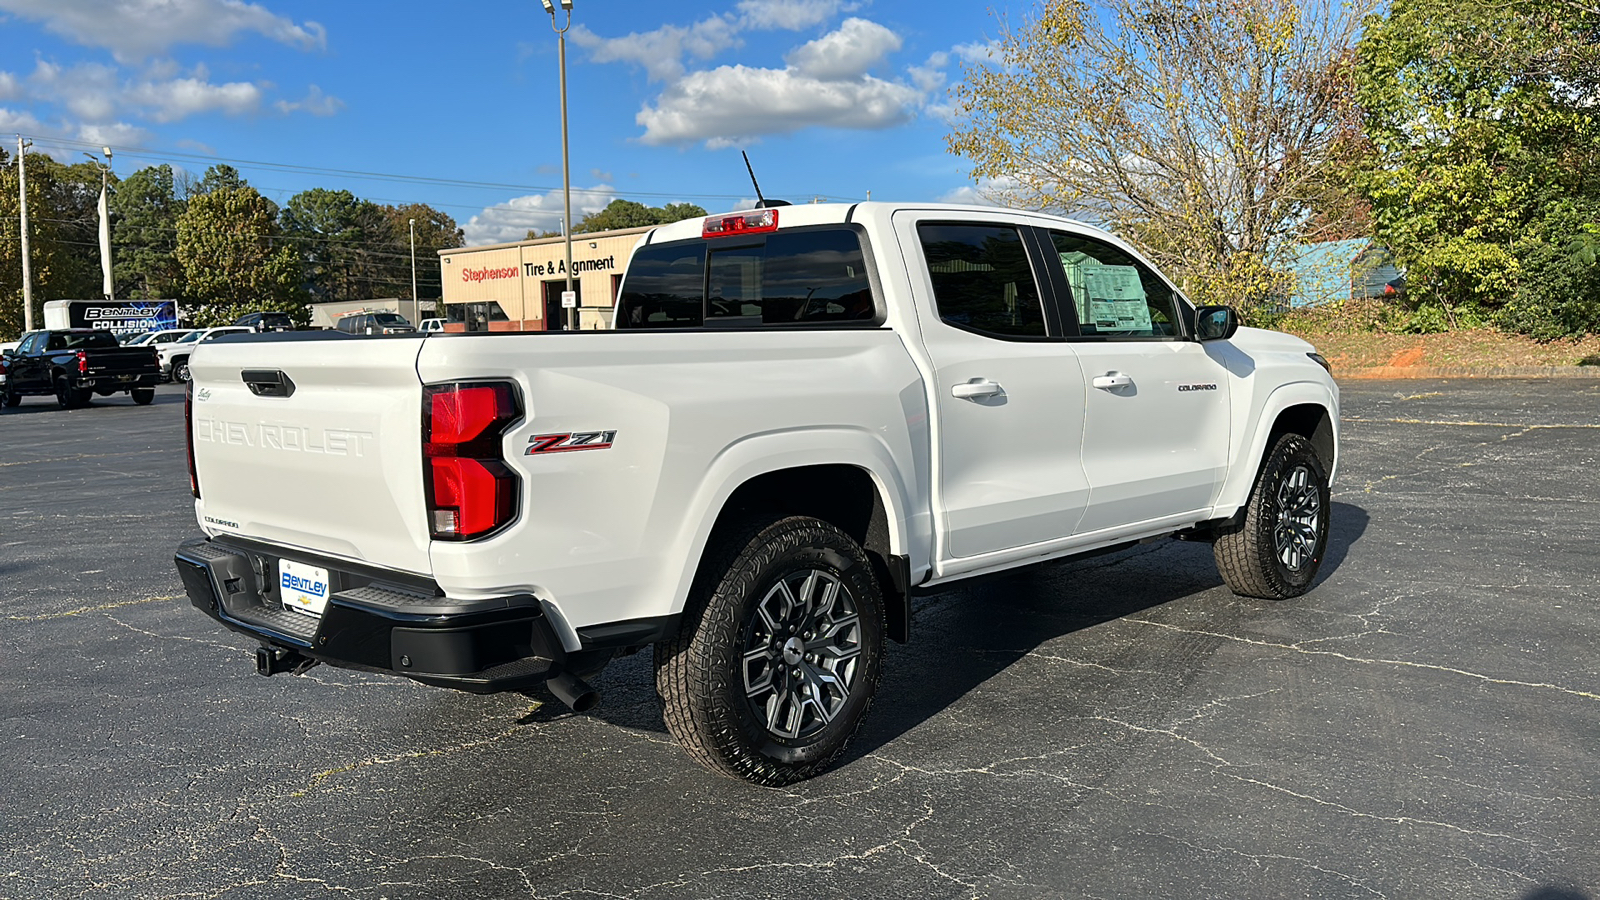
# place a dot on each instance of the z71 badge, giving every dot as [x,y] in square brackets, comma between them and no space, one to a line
[568,443]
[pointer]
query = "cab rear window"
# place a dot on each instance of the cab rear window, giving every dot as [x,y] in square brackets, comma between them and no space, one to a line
[804,277]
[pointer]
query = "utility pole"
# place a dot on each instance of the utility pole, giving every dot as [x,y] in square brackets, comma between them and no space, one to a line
[27,265]
[414,298]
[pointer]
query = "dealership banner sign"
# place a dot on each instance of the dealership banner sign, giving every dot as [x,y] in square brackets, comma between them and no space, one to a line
[123,316]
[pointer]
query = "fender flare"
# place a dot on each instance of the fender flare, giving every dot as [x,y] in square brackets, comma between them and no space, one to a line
[771,452]
[1242,473]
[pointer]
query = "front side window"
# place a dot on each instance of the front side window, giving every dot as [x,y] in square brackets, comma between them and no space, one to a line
[1115,295]
[982,280]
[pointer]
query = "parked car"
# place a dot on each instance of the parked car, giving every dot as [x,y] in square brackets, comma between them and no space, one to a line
[430,326]
[174,358]
[152,338]
[266,321]
[375,323]
[75,364]
[808,415]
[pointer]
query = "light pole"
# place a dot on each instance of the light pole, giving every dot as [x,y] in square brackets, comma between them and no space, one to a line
[566,167]
[27,265]
[414,298]
[108,287]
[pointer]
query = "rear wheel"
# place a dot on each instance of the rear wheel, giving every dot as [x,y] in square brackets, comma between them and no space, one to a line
[143,396]
[10,398]
[779,653]
[1274,553]
[69,397]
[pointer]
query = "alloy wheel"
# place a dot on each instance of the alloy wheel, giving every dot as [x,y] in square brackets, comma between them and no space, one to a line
[802,646]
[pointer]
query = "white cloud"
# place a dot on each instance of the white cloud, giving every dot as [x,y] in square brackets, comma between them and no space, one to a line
[180,98]
[849,52]
[113,134]
[12,120]
[660,52]
[316,103]
[511,220]
[788,15]
[735,104]
[10,87]
[987,192]
[136,29]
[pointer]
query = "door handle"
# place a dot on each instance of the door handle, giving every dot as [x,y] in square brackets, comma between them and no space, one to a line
[972,390]
[1112,381]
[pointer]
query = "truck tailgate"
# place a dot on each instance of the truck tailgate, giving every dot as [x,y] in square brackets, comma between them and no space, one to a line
[330,461]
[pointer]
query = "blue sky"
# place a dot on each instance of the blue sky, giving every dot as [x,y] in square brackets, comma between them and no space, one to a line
[457,105]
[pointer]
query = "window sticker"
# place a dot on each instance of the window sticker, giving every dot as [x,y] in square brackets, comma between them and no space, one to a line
[1116,298]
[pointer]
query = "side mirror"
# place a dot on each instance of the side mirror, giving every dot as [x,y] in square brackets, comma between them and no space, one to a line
[1215,323]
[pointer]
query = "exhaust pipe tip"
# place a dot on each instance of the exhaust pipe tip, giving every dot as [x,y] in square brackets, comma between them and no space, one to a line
[573,691]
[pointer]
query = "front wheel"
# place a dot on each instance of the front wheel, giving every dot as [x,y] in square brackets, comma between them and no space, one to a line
[779,653]
[180,371]
[1274,553]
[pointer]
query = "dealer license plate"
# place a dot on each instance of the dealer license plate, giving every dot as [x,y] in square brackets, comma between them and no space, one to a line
[304,588]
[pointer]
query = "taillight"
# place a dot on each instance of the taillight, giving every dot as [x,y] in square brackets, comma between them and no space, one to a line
[188,436]
[471,491]
[83,362]
[754,222]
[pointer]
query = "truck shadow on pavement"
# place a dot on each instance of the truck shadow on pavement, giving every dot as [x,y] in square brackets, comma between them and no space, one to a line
[967,635]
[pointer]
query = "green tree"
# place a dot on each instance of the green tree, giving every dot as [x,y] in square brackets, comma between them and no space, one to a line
[628,214]
[1483,171]
[145,210]
[1198,129]
[62,232]
[231,258]
[343,242]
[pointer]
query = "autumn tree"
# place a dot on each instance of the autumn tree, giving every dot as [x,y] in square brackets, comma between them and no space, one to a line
[1484,165]
[435,231]
[232,260]
[62,232]
[1197,129]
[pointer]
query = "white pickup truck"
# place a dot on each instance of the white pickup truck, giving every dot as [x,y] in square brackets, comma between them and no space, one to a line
[802,417]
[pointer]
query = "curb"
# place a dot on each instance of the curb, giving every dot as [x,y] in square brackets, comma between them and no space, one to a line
[1413,372]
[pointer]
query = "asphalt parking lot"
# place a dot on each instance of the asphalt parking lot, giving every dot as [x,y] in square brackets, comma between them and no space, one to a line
[1425,723]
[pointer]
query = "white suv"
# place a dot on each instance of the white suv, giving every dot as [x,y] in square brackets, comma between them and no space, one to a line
[174,357]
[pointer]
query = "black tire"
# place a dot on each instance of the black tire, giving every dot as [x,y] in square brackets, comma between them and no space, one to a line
[180,370]
[143,396]
[70,397]
[726,644]
[1275,551]
[11,398]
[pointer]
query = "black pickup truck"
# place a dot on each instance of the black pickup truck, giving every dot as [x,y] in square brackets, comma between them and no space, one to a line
[75,365]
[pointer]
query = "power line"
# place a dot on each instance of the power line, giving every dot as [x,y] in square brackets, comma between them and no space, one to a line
[296,168]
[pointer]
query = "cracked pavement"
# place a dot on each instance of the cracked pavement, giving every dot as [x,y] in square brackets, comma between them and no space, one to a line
[1425,723]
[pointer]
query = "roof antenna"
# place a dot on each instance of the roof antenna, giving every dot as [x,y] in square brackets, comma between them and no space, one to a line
[761,202]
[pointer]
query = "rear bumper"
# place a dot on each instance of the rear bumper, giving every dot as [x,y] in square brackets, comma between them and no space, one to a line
[381,621]
[113,381]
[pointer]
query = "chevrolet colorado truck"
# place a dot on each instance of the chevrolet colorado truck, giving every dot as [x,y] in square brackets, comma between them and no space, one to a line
[801,417]
[75,365]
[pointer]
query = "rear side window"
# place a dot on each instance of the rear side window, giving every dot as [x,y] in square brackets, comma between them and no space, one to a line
[790,278]
[982,281]
[83,341]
